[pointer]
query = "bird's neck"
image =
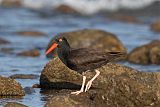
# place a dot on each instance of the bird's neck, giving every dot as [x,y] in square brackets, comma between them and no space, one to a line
[63,52]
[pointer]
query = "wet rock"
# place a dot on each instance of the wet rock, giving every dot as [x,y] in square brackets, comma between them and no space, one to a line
[56,75]
[3,41]
[31,33]
[155,26]
[24,76]
[11,3]
[31,53]
[67,101]
[36,86]
[117,86]
[66,9]
[9,87]
[14,104]
[155,55]
[125,18]
[146,54]
[29,90]
[90,38]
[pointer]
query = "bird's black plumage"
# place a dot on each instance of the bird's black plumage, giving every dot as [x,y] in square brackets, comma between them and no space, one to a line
[84,59]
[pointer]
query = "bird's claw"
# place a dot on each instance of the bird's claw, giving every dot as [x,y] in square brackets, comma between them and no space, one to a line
[77,92]
[88,86]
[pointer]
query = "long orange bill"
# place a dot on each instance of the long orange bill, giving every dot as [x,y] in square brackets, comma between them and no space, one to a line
[51,48]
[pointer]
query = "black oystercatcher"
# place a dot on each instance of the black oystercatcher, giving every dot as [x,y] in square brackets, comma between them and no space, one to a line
[83,59]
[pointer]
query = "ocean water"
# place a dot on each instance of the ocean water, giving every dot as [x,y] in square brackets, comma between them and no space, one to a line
[18,19]
[88,6]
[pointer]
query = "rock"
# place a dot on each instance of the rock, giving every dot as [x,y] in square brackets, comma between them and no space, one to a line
[29,90]
[31,33]
[9,87]
[3,41]
[68,101]
[24,76]
[51,80]
[125,18]
[15,70]
[117,86]
[56,75]
[155,26]
[155,55]
[146,54]
[91,38]
[66,9]
[36,86]
[11,3]
[14,104]
[31,53]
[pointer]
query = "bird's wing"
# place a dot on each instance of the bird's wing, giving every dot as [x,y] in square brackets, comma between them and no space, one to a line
[86,56]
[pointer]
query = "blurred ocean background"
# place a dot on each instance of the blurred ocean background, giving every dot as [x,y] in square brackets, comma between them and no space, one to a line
[43,16]
[88,6]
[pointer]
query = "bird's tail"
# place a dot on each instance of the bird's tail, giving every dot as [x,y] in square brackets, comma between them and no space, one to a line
[117,55]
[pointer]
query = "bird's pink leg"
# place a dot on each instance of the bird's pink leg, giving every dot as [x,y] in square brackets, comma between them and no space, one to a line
[90,81]
[82,87]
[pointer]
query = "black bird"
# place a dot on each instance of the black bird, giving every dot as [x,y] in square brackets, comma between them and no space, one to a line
[83,59]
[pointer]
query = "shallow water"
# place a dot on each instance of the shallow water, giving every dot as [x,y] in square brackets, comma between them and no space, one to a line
[12,20]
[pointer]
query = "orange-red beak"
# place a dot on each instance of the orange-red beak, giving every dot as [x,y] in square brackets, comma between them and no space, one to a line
[51,48]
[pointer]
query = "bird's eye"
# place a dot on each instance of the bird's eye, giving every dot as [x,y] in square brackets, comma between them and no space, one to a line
[60,40]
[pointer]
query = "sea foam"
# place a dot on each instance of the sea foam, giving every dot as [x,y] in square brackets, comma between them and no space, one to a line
[88,6]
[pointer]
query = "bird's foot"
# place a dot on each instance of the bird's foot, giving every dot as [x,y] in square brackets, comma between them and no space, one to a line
[77,92]
[88,86]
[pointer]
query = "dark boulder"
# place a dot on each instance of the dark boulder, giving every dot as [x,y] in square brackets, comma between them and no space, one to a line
[155,26]
[24,76]
[36,86]
[14,104]
[66,9]
[117,85]
[11,3]
[31,33]
[30,53]
[146,54]
[3,41]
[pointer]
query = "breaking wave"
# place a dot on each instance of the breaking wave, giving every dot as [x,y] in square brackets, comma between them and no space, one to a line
[89,6]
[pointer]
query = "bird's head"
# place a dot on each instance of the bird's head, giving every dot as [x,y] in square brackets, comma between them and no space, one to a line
[59,42]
